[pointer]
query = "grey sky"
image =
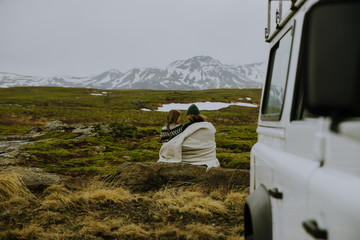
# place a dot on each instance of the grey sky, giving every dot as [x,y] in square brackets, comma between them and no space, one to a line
[84,37]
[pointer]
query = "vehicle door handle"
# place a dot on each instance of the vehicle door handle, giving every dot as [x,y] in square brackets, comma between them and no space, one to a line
[313,229]
[275,193]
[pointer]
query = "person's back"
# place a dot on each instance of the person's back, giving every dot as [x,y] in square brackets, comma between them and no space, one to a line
[195,145]
[199,146]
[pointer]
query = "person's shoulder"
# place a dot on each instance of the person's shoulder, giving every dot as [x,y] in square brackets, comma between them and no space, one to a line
[186,125]
[204,124]
[178,126]
[175,126]
[172,127]
[208,123]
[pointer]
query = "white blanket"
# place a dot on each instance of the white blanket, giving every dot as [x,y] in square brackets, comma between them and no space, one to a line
[196,145]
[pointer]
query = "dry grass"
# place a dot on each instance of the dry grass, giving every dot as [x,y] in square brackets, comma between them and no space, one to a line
[204,206]
[201,231]
[58,197]
[132,231]
[99,193]
[236,200]
[100,211]
[169,232]
[93,227]
[183,201]
[13,190]
[28,232]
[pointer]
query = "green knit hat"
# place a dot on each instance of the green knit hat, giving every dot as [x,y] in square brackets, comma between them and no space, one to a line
[193,109]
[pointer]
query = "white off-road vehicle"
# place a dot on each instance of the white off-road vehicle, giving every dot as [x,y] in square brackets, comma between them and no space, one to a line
[305,167]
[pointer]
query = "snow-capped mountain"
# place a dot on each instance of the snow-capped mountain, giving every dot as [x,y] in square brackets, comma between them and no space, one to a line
[100,81]
[200,72]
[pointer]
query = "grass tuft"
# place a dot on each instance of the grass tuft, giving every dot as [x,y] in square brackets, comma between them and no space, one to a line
[169,232]
[132,231]
[184,201]
[201,231]
[93,227]
[13,190]
[28,232]
[96,193]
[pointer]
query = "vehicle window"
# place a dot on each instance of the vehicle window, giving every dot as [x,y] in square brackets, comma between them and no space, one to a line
[276,79]
[338,69]
[299,112]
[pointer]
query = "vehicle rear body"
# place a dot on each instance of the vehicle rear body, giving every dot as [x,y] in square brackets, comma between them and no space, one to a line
[305,167]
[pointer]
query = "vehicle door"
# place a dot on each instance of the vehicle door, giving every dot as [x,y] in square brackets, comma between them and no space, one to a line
[300,157]
[333,209]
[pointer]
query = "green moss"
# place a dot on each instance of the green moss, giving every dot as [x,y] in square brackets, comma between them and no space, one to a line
[103,153]
[235,139]
[58,135]
[72,156]
[38,105]
[232,160]
[133,134]
[14,129]
[235,146]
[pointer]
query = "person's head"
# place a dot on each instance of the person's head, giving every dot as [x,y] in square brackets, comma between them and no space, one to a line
[193,109]
[193,114]
[173,117]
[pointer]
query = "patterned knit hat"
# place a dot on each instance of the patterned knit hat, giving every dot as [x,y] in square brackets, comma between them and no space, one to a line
[193,109]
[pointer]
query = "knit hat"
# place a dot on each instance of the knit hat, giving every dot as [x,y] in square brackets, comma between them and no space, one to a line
[193,109]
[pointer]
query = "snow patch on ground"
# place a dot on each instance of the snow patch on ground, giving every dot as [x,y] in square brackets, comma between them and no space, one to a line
[201,105]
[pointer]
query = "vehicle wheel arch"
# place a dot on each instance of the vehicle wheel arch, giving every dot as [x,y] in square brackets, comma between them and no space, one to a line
[258,215]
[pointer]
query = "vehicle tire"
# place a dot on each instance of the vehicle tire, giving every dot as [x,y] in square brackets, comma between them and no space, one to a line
[258,216]
[249,237]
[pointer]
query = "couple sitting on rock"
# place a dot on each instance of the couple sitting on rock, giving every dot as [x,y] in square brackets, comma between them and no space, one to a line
[192,143]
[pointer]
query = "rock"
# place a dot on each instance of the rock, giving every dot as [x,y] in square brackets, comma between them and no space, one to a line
[152,176]
[180,173]
[9,152]
[55,125]
[102,130]
[137,176]
[83,130]
[34,178]
[34,130]
[94,130]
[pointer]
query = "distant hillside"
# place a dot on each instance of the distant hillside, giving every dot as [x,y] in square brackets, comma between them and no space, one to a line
[197,73]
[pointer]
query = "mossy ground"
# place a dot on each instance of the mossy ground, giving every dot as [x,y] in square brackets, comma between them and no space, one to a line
[138,131]
[102,212]
[35,106]
[65,153]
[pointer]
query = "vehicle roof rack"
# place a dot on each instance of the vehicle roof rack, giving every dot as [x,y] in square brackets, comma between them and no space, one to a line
[280,19]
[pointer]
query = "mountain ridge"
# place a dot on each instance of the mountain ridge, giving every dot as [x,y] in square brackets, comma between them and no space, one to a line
[196,73]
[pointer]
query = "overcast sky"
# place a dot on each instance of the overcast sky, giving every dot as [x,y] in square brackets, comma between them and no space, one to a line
[85,37]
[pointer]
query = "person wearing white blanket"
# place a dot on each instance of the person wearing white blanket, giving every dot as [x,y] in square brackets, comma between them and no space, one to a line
[195,145]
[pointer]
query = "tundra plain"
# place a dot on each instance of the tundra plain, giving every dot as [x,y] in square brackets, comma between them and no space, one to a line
[99,130]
